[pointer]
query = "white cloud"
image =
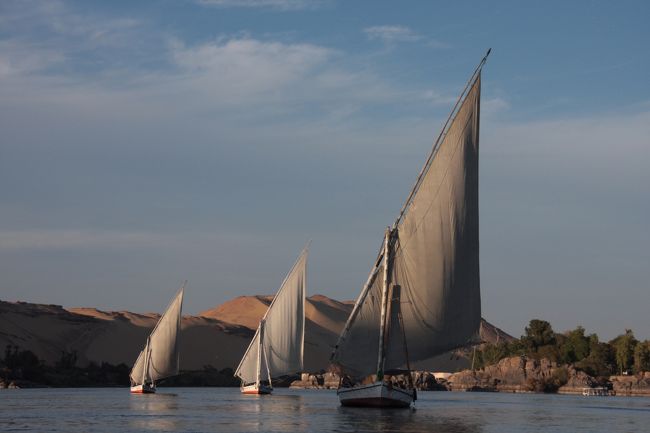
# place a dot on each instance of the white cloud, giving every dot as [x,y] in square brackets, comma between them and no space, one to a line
[19,57]
[248,66]
[271,4]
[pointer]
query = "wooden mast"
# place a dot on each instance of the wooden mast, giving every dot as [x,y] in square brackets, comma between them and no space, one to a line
[260,347]
[384,305]
[146,361]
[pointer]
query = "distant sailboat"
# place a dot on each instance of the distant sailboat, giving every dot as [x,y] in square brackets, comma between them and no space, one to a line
[159,358]
[422,297]
[277,347]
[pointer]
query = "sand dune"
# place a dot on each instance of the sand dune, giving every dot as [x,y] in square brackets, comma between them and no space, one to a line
[216,337]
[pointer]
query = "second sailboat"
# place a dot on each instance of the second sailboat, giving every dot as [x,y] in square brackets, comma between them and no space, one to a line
[277,347]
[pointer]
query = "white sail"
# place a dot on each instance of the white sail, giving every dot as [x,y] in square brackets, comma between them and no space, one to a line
[162,359]
[433,280]
[281,331]
[253,366]
[436,253]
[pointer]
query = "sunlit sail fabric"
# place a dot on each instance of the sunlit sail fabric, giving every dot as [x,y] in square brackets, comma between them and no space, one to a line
[247,370]
[434,261]
[282,330]
[163,358]
[436,256]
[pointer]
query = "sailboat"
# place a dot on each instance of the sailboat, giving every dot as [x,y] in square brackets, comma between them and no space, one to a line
[422,297]
[277,347]
[160,358]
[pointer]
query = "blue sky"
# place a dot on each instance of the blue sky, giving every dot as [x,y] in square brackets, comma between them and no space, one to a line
[144,143]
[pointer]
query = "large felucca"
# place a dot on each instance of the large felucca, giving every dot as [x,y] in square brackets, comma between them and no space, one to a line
[277,347]
[422,297]
[160,357]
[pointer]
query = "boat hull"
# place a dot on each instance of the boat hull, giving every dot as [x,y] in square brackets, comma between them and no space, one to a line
[377,394]
[256,390]
[143,389]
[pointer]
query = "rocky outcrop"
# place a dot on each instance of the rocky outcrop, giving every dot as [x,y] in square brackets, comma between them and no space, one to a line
[422,380]
[317,381]
[577,381]
[637,385]
[521,374]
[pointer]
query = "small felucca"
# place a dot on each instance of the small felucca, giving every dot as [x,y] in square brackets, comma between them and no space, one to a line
[160,357]
[422,297]
[277,347]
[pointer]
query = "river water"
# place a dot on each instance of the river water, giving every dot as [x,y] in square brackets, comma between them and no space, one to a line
[287,411]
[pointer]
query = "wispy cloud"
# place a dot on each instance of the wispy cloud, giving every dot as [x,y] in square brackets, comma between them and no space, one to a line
[286,5]
[21,57]
[391,34]
[491,106]
[75,239]
[435,97]
[244,66]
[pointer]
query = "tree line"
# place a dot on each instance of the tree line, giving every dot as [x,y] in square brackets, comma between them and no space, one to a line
[621,355]
[25,369]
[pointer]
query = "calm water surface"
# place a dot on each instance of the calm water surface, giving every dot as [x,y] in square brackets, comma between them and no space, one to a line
[287,411]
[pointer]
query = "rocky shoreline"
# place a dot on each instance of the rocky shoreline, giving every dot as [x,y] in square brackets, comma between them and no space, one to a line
[517,374]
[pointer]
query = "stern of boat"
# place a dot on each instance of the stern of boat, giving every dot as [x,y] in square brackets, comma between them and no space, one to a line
[143,389]
[378,394]
[255,389]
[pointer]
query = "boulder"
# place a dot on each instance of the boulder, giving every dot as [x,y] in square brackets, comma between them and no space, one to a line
[636,385]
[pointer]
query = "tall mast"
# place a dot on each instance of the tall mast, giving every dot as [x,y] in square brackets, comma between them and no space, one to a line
[146,361]
[268,370]
[384,307]
[260,347]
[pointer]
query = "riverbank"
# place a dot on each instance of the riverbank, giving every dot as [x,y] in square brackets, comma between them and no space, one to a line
[517,374]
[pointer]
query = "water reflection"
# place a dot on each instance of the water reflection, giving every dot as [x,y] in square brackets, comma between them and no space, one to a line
[215,410]
[401,420]
[156,412]
[278,412]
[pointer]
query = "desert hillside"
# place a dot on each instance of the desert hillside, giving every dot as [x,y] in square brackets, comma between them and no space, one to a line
[216,337]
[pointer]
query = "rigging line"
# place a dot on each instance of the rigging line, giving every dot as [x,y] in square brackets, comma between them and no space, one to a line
[357,307]
[443,132]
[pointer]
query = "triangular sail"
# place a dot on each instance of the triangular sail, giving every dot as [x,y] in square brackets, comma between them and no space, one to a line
[436,251]
[356,352]
[433,260]
[283,330]
[248,367]
[138,373]
[163,359]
